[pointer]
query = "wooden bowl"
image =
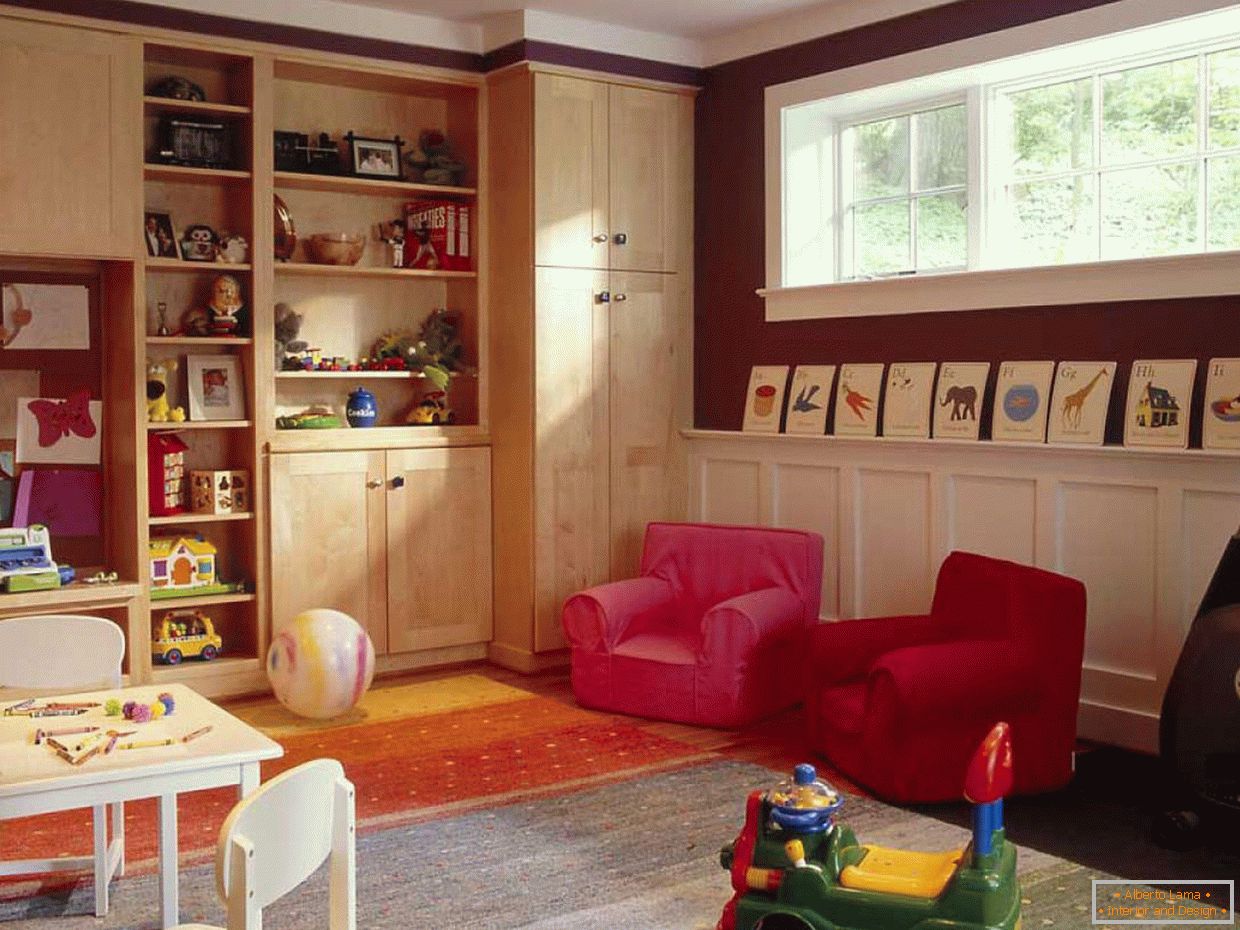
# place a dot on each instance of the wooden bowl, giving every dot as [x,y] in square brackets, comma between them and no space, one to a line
[335,248]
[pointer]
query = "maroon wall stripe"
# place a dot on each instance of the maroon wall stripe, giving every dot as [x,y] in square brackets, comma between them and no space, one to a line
[572,57]
[730,332]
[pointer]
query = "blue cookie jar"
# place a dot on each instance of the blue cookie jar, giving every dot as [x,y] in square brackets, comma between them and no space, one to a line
[362,409]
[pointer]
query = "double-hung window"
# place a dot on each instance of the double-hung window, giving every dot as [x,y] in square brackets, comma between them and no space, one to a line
[1125,146]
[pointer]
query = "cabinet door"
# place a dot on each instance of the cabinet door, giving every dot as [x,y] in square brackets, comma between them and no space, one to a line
[439,548]
[570,455]
[328,547]
[69,149]
[649,394]
[649,144]
[570,172]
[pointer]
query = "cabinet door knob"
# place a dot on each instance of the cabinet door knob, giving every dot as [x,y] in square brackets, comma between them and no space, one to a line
[603,297]
[601,237]
[620,297]
[398,482]
[621,239]
[374,483]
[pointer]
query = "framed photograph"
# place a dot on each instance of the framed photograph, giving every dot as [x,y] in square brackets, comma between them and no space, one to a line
[161,236]
[1220,418]
[856,400]
[375,158]
[958,399]
[808,400]
[1021,401]
[1160,393]
[1079,402]
[216,389]
[764,401]
[910,388]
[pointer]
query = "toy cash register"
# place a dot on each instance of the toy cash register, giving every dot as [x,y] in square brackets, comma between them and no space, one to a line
[26,560]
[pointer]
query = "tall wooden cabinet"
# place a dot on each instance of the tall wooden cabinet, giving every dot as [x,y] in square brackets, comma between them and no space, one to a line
[69,109]
[591,345]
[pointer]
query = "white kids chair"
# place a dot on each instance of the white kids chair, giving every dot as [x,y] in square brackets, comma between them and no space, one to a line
[277,837]
[56,654]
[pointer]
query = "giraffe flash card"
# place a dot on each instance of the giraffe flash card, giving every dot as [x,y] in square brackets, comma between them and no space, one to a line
[856,400]
[765,400]
[1160,392]
[1220,424]
[1021,401]
[808,399]
[958,399]
[1079,402]
[906,409]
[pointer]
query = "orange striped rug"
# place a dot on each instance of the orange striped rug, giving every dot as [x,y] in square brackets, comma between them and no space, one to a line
[414,751]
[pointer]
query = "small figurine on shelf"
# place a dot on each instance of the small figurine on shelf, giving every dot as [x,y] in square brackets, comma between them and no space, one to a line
[158,371]
[288,325]
[225,309]
[176,87]
[161,309]
[200,243]
[435,160]
[393,233]
[233,250]
[431,410]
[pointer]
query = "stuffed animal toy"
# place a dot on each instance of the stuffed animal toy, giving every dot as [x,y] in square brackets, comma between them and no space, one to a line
[288,325]
[157,409]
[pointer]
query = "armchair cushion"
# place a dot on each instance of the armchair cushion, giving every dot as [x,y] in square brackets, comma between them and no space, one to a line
[598,618]
[845,650]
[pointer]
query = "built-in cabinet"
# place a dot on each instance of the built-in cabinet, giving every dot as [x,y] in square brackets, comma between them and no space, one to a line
[399,540]
[590,344]
[69,111]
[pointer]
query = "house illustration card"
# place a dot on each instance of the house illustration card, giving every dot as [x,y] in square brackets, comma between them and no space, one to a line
[958,399]
[856,400]
[808,399]
[1021,401]
[765,400]
[1079,402]
[1160,394]
[1220,423]
[906,410]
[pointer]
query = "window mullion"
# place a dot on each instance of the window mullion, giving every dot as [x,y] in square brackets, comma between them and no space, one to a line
[913,181]
[1203,150]
[977,112]
[1097,165]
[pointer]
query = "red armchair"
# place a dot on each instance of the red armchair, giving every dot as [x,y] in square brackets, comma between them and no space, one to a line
[712,633]
[899,703]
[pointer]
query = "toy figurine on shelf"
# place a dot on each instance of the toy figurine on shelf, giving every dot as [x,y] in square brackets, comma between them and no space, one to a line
[233,250]
[200,243]
[185,566]
[288,325]
[225,309]
[435,160]
[185,634]
[158,371]
[794,865]
[393,233]
[431,410]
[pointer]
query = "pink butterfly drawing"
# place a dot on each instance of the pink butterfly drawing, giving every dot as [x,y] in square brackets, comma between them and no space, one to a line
[58,418]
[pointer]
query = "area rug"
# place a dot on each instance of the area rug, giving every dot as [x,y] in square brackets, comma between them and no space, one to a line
[414,750]
[639,853]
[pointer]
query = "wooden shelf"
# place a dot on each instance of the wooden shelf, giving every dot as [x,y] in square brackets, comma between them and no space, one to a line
[346,375]
[181,518]
[199,341]
[376,437]
[195,107]
[373,186]
[206,600]
[76,594]
[191,669]
[181,265]
[195,175]
[200,424]
[365,271]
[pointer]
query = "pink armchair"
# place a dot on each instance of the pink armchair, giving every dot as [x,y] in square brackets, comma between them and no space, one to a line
[711,633]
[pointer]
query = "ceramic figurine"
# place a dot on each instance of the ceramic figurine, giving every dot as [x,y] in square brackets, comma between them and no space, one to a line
[393,234]
[233,250]
[200,243]
[225,307]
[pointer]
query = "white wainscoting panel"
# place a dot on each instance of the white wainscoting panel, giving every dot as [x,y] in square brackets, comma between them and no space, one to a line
[1142,529]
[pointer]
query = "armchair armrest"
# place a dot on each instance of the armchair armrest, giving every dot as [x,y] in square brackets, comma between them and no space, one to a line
[844,651]
[735,626]
[596,619]
[965,678]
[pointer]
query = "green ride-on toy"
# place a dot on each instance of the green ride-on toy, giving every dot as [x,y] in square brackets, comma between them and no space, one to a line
[794,868]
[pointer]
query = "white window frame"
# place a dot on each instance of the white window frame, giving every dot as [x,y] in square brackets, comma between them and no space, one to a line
[942,72]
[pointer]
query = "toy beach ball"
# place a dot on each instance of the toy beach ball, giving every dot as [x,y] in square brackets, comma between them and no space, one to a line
[320,664]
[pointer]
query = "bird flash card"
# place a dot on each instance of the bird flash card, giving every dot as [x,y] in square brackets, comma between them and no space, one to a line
[906,404]
[856,400]
[808,399]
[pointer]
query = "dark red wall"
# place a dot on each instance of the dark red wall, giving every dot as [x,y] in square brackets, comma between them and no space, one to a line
[730,333]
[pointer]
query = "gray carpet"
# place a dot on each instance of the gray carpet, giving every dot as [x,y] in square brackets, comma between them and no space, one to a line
[641,854]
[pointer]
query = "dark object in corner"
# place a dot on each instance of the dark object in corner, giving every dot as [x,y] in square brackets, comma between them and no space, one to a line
[174,87]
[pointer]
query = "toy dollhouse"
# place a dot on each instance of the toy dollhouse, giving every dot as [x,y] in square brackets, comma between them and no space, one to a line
[182,562]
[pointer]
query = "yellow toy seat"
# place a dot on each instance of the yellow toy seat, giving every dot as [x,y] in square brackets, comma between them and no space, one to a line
[898,871]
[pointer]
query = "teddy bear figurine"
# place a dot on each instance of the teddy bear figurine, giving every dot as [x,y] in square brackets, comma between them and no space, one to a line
[157,408]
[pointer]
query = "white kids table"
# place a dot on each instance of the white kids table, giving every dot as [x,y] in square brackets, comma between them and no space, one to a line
[34,780]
